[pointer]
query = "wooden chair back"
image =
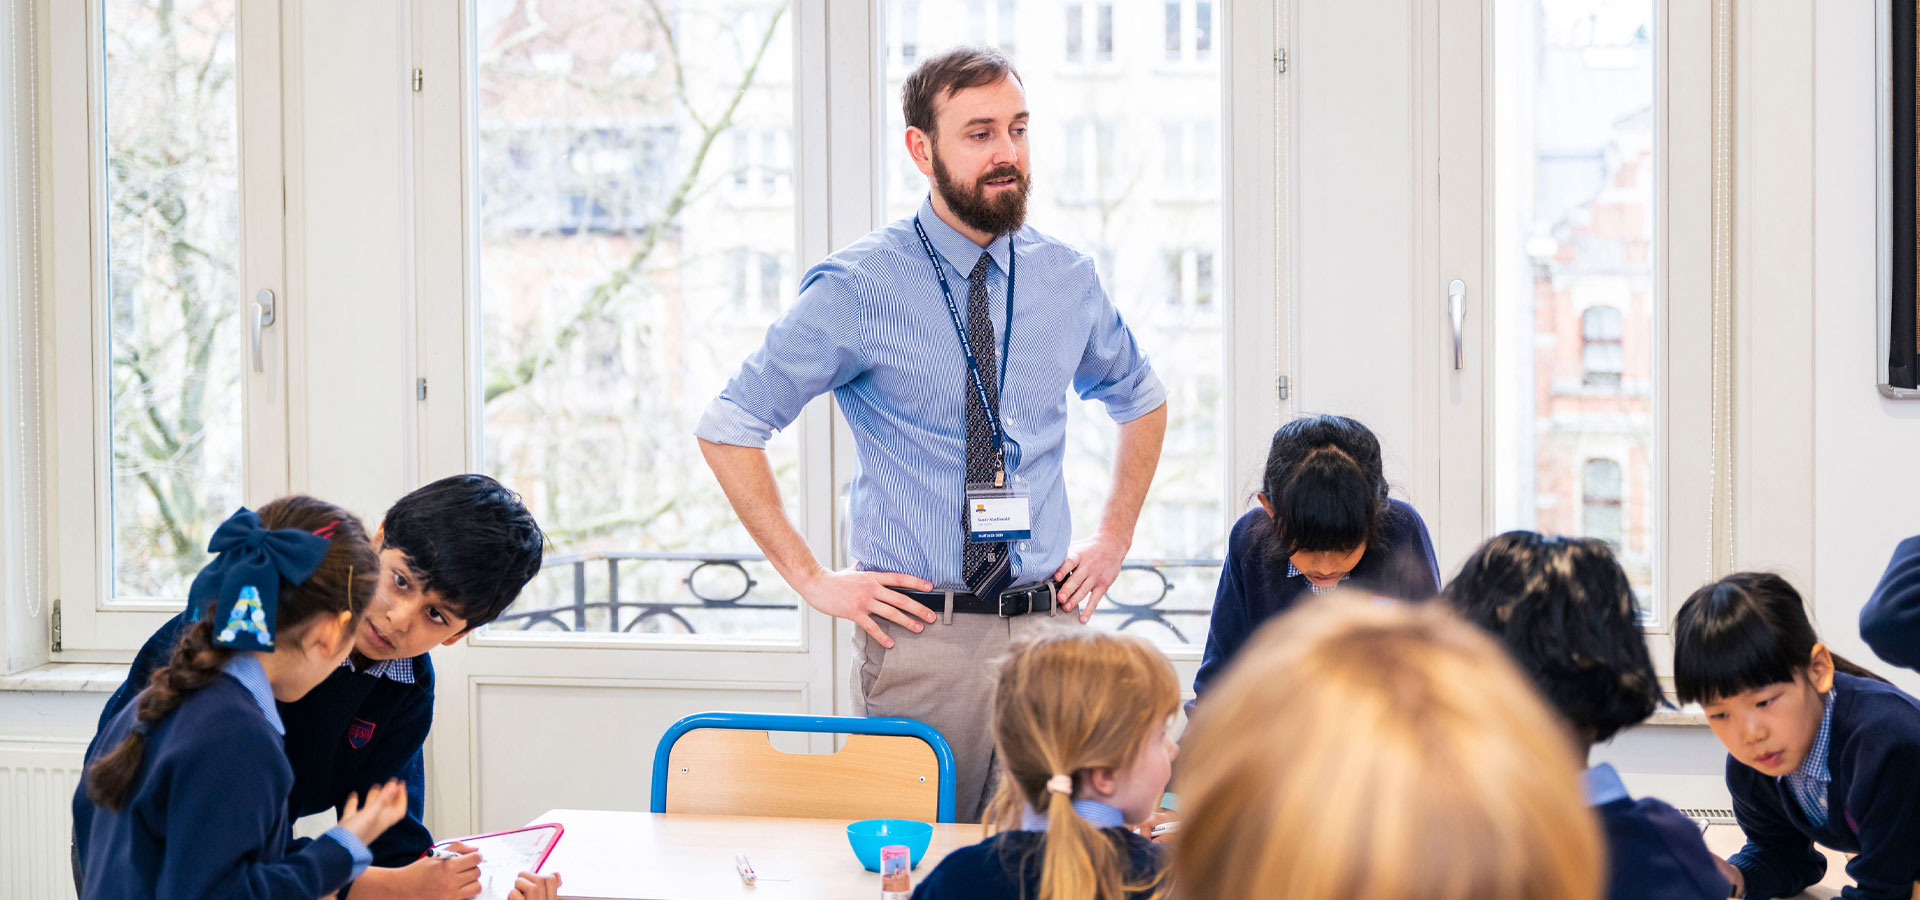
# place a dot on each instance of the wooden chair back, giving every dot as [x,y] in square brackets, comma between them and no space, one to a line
[713,771]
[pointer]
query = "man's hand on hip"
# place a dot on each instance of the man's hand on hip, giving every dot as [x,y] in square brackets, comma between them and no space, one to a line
[1090,568]
[859,596]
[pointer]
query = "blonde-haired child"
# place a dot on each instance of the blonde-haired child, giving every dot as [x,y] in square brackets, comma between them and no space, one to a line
[1080,730]
[1379,751]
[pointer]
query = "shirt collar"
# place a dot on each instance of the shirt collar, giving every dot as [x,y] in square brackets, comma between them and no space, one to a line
[1814,767]
[400,670]
[959,250]
[246,669]
[1317,589]
[1603,785]
[1097,814]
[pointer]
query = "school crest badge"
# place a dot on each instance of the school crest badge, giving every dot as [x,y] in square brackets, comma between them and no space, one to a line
[359,732]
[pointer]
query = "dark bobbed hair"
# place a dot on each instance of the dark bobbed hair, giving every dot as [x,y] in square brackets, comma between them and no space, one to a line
[1565,611]
[1744,632]
[947,73]
[469,538]
[1326,483]
[345,578]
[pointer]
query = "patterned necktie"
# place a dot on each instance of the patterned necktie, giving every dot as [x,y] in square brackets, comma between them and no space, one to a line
[982,461]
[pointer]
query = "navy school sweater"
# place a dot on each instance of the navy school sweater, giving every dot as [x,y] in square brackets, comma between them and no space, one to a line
[1007,867]
[208,814]
[1873,803]
[1891,620]
[352,732]
[1655,853]
[1255,587]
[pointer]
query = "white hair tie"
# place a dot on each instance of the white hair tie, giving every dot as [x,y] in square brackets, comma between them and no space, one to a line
[1060,784]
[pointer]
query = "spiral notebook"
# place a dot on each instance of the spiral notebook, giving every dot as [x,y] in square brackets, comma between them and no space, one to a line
[506,854]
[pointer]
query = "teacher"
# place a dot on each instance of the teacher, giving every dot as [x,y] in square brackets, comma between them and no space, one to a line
[949,339]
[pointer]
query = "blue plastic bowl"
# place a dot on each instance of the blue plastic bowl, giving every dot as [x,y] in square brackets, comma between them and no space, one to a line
[869,835]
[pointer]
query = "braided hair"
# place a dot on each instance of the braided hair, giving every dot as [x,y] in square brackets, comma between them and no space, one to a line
[345,578]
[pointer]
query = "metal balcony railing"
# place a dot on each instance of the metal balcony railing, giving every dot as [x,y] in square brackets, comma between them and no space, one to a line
[628,592]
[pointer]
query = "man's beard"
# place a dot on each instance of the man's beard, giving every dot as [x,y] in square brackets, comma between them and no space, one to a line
[997,216]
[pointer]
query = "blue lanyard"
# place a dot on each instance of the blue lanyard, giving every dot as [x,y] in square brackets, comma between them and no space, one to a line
[966,346]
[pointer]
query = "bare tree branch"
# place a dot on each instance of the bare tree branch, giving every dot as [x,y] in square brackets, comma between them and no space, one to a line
[523,372]
[679,70]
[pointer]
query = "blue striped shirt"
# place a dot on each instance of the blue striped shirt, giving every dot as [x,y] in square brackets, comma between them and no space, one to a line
[870,325]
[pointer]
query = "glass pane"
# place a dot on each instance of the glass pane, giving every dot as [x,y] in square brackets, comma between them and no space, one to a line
[1103,35]
[621,283]
[1202,29]
[173,295]
[1575,297]
[1076,32]
[1101,184]
[1173,31]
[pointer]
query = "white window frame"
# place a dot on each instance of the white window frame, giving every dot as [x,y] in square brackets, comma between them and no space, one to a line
[24,395]
[1691,412]
[1188,54]
[1090,61]
[840,165]
[97,626]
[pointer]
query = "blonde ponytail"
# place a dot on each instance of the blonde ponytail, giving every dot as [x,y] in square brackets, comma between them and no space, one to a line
[1067,703]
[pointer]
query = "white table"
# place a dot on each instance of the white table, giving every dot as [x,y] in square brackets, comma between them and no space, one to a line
[643,856]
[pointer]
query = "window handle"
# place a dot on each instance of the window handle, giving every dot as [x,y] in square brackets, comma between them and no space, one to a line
[1457,311]
[262,317]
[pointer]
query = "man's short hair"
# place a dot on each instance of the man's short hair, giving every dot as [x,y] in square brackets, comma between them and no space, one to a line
[469,538]
[947,73]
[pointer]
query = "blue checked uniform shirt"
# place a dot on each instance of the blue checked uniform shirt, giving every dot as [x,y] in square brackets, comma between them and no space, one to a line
[1809,781]
[872,327]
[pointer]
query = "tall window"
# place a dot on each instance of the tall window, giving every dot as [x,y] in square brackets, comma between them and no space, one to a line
[1601,357]
[618,291]
[1187,32]
[1575,215]
[171,183]
[1088,33]
[1095,190]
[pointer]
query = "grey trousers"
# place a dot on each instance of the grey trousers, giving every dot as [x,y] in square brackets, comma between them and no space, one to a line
[943,676]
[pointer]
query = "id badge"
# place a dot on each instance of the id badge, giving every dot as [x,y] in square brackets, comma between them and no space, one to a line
[997,514]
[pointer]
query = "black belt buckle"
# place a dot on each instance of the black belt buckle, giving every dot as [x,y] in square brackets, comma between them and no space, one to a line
[1019,603]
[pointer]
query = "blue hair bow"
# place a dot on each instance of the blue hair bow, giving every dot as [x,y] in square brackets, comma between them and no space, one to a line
[240,589]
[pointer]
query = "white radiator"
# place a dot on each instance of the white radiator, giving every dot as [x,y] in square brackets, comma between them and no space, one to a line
[37,781]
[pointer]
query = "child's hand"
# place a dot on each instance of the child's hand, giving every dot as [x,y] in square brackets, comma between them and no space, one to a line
[1734,875]
[385,805]
[1163,817]
[446,879]
[536,887]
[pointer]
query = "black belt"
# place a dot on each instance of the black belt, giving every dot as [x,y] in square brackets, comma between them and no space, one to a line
[1015,602]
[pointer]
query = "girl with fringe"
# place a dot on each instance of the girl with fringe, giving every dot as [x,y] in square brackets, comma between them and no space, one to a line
[185,793]
[1819,750]
[1080,730]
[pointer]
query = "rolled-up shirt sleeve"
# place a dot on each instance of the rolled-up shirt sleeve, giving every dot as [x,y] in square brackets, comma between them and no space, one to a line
[812,349]
[1114,370]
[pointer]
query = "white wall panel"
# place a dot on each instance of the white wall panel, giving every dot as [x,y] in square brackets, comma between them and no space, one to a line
[550,743]
[1866,483]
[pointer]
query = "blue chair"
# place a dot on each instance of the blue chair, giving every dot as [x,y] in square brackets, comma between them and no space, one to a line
[725,764]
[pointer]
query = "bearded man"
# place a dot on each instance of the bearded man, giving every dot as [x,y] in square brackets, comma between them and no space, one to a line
[949,339]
